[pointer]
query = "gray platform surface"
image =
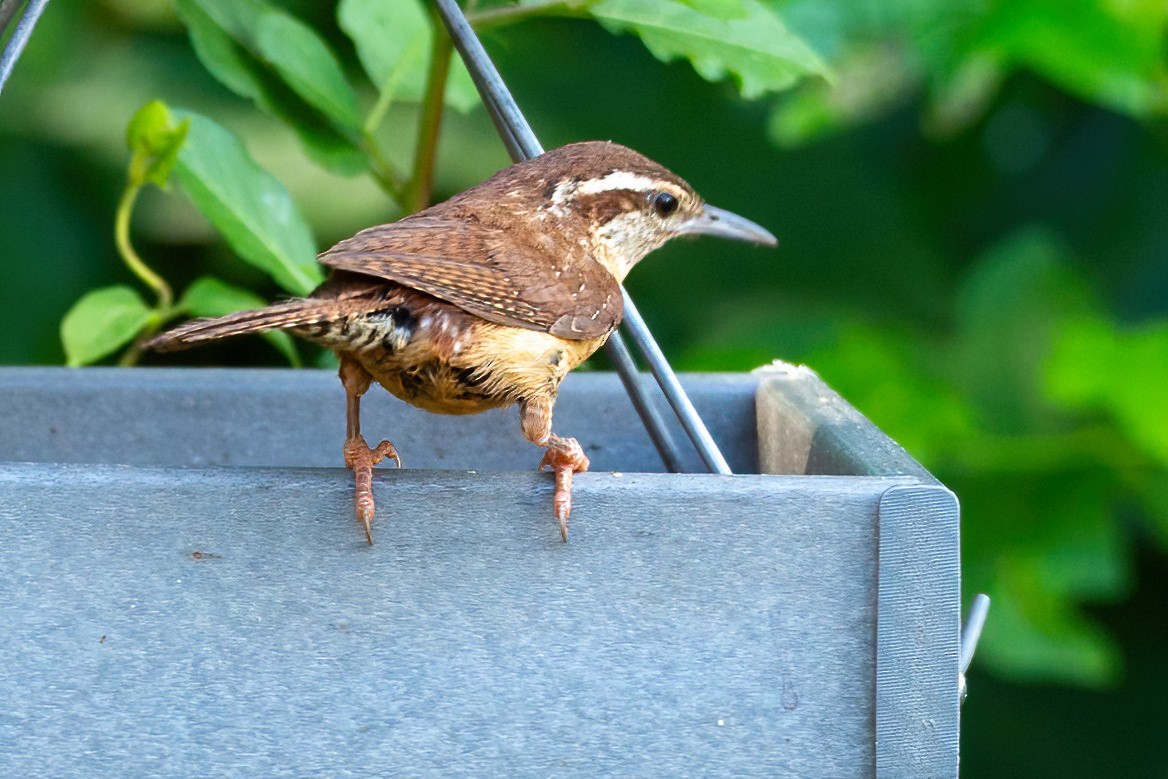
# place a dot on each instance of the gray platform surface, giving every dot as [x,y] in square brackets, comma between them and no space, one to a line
[185,416]
[250,624]
[175,620]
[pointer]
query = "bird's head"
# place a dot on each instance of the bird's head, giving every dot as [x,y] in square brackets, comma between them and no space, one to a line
[624,204]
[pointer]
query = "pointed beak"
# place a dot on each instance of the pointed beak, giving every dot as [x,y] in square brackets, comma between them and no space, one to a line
[717,221]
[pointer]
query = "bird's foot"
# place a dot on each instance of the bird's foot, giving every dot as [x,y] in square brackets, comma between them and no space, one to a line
[360,459]
[564,457]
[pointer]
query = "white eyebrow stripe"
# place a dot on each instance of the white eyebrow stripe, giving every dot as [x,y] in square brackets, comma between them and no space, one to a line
[618,179]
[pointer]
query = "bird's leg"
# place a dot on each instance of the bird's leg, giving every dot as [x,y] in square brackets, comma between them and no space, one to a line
[564,455]
[359,458]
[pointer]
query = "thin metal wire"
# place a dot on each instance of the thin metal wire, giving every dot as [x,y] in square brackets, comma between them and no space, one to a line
[622,360]
[20,36]
[971,631]
[522,144]
[673,390]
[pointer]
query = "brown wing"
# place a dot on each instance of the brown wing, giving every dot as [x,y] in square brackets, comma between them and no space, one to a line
[489,272]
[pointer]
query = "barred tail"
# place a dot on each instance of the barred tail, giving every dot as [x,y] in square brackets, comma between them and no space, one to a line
[292,313]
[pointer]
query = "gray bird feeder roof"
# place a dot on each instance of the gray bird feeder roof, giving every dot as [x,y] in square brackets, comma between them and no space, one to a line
[186,590]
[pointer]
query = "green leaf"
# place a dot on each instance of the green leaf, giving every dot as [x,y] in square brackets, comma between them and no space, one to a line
[307,64]
[214,38]
[327,148]
[1039,638]
[393,40]
[868,81]
[1095,366]
[102,322]
[154,140]
[239,18]
[1110,52]
[247,205]
[220,54]
[758,49]
[1041,541]
[884,374]
[1083,552]
[1012,305]
[719,9]
[208,296]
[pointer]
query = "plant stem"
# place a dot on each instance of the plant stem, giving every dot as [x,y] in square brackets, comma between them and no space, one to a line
[418,191]
[382,171]
[130,357]
[161,317]
[392,82]
[500,17]
[380,168]
[130,257]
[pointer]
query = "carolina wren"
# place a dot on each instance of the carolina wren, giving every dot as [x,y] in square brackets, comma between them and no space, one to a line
[489,298]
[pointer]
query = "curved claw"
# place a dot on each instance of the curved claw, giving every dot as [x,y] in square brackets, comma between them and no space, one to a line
[564,458]
[360,459]
[386,451]
[365,511]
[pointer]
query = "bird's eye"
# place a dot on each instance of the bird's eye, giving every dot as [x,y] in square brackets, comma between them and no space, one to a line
[664,204]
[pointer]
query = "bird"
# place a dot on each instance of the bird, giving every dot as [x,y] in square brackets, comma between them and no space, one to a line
[488,299]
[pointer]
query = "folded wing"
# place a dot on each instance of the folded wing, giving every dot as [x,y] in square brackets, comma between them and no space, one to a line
[488,272]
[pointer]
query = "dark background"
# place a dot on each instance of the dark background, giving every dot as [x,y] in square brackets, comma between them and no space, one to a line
[987,284]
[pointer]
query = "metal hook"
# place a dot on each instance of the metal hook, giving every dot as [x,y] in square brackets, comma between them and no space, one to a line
[970,633]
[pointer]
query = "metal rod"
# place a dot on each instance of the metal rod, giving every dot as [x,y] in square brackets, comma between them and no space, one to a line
[971,631]
[522,144]
[622,360]
[20,36]
[673,390]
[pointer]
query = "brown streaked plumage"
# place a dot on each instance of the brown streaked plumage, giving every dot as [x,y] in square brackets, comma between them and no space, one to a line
[490,298]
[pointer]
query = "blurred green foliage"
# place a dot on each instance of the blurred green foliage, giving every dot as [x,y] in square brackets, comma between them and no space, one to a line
[263,53]
[972,199]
